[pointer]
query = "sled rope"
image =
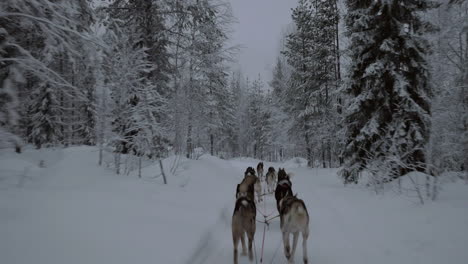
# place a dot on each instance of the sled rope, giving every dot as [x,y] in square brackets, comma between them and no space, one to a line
[263,243]
[266,221]
[276,251]
[255,251]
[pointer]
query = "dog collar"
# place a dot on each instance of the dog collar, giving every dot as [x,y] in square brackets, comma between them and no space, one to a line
[284,182]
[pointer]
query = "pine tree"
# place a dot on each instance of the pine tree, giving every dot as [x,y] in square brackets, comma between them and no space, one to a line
[36,34]
[143,23]
[301,97]
[388,115]
[259,118]
[46,117]
[279,81]
[276,105]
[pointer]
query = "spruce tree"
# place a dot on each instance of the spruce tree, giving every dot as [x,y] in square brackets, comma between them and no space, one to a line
[46,117]
[143,22]
[302,93]
[388,116]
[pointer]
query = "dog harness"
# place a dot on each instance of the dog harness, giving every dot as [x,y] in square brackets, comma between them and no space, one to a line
[241,194]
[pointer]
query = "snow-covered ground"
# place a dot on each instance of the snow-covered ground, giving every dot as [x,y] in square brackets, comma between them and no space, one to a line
[69,210]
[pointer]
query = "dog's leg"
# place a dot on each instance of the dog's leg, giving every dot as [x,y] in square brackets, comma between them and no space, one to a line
[235,239]
[305,235]
[244,250]
[251,237]
[287,248]
[295,238]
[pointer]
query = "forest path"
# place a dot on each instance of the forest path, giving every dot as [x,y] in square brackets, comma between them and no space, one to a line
[73,211]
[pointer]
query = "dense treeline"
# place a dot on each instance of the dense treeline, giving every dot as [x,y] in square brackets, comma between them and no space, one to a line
[375,86]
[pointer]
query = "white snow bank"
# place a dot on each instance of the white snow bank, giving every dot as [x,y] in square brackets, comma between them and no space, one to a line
[72,211]
[296,162]
[77,212]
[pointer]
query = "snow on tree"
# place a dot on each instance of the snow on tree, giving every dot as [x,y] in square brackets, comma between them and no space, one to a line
[388,116]
[200,73]
[300,97]
[143,24]
[260,127]
[311,51]
[38,35]
[449,64]
[279,117]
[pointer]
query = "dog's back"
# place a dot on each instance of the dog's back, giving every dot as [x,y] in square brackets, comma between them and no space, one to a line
[246,189]
[244,214]
[294,219]
[243,221]
[283,189]
[293,213]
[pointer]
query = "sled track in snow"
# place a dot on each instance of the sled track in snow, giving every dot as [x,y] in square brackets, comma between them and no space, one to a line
[215,246]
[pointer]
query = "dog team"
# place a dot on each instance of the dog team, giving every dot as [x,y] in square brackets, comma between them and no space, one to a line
[294,218]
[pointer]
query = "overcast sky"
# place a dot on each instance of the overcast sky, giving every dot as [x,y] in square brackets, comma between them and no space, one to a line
[258,30]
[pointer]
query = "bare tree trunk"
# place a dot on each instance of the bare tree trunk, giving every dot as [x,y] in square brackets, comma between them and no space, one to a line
[323,156]
[189,140]
[435,187]
[310,162]
[139,167]
[102,121]
[428,186]
[100,150]
[177,116]
[117,162]
[162,171]
[212,144]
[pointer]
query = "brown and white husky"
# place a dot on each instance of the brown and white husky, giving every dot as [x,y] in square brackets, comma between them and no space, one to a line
[245,211]
[271,179]
[294,219]
[260,170]
[247,187]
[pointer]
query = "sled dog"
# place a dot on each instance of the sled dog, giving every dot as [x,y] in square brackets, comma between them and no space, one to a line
[294,219]
[271,179]
[243,222]
[283,187]
[260,170]
[246,187]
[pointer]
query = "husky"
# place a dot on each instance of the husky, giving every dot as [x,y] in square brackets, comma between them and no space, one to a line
[294,219]
[271,179]
[258,187]
[283,187]
[243,221]
[246,187]
[260,170]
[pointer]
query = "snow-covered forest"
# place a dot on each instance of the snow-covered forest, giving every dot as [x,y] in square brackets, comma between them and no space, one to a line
[375,86]
[371,93]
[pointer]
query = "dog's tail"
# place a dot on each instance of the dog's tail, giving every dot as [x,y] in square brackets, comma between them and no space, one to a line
[244,203]
[300,212]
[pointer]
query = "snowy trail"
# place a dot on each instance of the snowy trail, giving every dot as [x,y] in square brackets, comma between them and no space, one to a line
[73,211]
[345,227]
[218,245]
